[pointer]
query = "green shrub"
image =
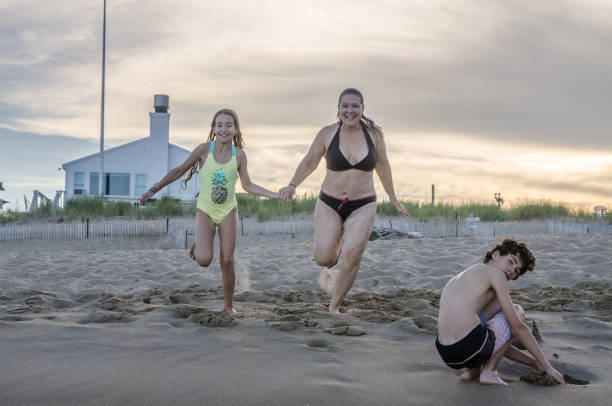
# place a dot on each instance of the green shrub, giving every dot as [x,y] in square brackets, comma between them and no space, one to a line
[271,208]
[168,206]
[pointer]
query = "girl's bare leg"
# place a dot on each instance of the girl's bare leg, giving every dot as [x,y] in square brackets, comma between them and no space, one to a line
[228,231]
[204,236]
[357,229]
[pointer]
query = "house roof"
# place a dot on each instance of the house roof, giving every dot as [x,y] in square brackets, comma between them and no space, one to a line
[114,149]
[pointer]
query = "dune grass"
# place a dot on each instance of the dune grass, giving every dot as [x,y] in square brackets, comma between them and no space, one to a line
[264,209]
[518,210]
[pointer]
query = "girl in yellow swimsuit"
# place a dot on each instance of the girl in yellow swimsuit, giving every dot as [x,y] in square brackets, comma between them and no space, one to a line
[221,160]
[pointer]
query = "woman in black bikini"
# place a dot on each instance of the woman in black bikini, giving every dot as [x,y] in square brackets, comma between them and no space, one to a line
[344,215]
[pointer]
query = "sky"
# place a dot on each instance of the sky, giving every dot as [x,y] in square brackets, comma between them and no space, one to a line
[476,97]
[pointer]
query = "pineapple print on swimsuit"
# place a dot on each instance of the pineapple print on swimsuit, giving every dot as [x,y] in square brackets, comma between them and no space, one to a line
[217,186]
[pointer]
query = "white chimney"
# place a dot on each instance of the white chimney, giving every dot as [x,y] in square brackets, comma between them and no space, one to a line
[159,138]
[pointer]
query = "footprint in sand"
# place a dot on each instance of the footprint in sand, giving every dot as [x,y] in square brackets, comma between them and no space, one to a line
[318,343]
[322,344]
[352,331]
[213,319]
[291,323]
[105,317]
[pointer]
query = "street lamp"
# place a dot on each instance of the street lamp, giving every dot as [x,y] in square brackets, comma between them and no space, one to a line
[499,199]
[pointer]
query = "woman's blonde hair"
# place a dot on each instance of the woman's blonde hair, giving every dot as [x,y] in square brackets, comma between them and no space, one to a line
[211,136]
[365,121]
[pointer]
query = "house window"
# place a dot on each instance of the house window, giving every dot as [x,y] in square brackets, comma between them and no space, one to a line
[79,183]
[141,185]
[94,183]
[117,184]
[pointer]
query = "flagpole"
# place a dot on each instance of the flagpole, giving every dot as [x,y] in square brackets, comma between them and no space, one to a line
[101,178]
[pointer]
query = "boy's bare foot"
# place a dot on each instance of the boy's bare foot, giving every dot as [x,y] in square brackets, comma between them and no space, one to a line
[491,378]
[470,373]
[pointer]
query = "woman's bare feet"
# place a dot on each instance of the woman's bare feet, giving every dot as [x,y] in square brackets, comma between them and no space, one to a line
[491,378]
[470,373]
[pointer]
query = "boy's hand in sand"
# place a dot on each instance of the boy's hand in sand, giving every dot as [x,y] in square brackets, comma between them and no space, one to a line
[555,374]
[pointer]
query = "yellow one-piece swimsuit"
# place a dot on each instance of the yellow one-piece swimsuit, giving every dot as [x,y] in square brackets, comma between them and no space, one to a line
[214,177]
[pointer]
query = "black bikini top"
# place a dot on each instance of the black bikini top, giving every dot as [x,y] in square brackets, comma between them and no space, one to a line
[337,162]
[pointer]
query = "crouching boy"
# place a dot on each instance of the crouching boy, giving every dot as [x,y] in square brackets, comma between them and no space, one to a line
[478,321]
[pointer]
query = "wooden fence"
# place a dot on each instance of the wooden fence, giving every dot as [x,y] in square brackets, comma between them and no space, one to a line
[559,227]
[462,227]
[182,233]
[85,230]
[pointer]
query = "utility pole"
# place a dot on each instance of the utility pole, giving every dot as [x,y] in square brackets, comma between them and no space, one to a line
[101,180]
[433,195]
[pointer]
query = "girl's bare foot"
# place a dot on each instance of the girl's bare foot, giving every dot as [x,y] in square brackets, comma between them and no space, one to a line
[470,373]
[231,311]
[491,378]
[333,309]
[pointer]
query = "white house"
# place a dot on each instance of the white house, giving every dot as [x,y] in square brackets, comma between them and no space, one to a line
[130,169]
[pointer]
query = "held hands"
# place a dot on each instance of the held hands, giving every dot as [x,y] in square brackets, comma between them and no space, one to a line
[286,193]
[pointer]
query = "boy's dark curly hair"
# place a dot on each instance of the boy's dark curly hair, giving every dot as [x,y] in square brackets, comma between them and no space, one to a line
[512,246]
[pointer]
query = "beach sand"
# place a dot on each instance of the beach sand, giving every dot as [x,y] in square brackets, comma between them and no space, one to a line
[135,321]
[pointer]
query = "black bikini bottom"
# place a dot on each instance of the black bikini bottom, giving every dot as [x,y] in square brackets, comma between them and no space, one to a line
[345,207]
[471,351]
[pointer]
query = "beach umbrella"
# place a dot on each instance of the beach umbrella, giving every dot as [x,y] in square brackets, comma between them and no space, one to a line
[1,187]
[2,203]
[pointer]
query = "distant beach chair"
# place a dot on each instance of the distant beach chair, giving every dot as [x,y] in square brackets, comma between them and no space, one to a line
[387,233]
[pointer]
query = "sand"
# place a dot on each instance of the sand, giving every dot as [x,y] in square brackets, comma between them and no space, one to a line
[135,321]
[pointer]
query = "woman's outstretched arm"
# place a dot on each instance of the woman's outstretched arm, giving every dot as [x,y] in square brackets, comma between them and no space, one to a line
[308,164]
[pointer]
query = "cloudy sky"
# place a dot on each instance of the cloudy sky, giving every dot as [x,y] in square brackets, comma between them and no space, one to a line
[476,97]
